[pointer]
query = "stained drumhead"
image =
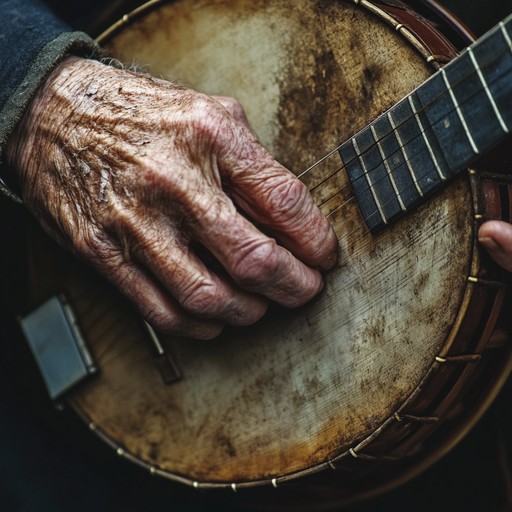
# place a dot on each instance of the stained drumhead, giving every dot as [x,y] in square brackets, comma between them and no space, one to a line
[301,387]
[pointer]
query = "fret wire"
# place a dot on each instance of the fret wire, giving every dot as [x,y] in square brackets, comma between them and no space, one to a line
[368,179]
[388,170]
[390,175]
[439,96]
[487,91]
[505,34]
[398,137]
[395,126]
[363,226]
[458,110]
[402,149]
[424,133]
[375,212]
[353,197]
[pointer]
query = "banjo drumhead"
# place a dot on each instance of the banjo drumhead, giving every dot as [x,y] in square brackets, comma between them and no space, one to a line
[301,387]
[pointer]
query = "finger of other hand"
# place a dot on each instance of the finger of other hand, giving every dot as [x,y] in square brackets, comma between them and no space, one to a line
[496,237]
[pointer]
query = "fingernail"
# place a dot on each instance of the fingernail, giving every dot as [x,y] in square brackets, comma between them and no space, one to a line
[490,244]
[329,262]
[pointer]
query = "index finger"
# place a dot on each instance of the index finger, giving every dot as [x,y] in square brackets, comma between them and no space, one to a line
[275,198]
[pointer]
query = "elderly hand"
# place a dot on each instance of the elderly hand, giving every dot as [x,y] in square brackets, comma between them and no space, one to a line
[140,177]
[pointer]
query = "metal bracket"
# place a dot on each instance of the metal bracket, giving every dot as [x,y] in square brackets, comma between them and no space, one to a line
[57,345]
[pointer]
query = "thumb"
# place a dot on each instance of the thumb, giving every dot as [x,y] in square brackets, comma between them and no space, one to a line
[496,237]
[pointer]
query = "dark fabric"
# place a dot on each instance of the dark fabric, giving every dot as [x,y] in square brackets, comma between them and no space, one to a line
[32,41]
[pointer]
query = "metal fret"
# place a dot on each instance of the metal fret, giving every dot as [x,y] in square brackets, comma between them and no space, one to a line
[382,187]
[487,90]
[505,34]
[388,170]
[459,112]
[389,146]
[493,54]
[406,158]
[427,142]
[370,184]
[360,185]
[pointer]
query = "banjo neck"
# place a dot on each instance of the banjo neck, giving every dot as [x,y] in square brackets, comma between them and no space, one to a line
[441,128]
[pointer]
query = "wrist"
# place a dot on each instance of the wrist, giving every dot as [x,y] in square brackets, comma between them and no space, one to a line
[30,144]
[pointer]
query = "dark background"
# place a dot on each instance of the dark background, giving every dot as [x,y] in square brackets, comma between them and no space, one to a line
[50,463]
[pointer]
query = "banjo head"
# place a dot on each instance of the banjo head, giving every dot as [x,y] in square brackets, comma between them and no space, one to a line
[311,389]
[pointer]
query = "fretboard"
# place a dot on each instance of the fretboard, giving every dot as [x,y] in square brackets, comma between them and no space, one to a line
[460,113]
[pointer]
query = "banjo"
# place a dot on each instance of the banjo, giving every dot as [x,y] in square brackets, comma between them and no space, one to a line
[407,345]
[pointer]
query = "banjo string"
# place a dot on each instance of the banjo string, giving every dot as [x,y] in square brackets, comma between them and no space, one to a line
[421,133]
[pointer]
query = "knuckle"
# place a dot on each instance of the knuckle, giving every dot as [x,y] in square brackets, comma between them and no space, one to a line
[231,105]
[287,199]
[205,114]
[91,245]
[119,218]
[211,210]
[257,266]
[237,110]
[162,320]
[211,123]
[227,102]
[202,298]
[167,322]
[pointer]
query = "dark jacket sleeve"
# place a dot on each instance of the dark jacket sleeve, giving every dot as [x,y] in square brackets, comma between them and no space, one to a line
[32,42]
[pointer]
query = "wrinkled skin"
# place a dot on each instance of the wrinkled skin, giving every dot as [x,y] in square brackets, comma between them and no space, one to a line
[142,178]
